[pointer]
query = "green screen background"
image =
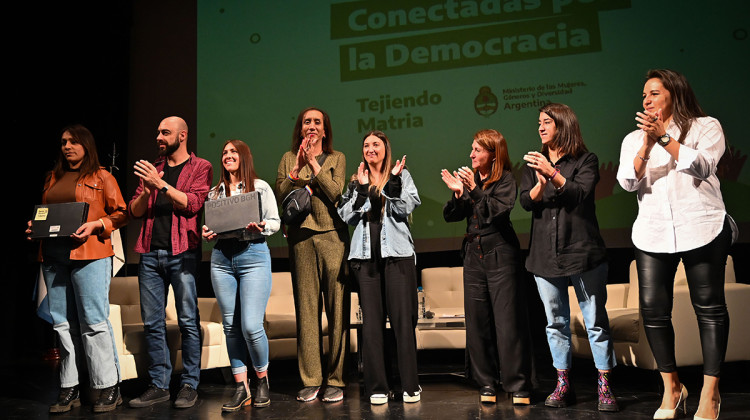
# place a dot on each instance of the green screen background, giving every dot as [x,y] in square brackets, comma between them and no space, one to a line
[260,63]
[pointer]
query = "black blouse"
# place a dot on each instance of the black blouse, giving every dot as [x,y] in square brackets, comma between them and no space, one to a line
[487,212]
[565,238]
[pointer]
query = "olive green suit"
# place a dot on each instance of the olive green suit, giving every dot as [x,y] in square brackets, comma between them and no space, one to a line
[317,256]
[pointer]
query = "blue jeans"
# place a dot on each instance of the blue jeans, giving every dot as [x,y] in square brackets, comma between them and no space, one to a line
[241,277]
[78,293]
[158,269]
[591,290]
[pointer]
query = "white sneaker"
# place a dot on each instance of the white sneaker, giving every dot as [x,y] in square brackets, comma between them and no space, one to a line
[378,399]
[413,398]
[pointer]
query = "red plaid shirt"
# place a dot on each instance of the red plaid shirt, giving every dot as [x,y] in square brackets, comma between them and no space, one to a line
[195,181]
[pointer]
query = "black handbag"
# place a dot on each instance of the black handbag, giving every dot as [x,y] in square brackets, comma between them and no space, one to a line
[296,206]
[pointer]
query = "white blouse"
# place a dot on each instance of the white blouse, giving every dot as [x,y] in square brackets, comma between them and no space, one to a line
[679,202]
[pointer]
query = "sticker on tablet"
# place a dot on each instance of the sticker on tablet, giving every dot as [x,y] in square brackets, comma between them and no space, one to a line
[41,213]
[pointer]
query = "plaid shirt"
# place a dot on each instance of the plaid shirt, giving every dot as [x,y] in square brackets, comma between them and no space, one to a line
[195,181]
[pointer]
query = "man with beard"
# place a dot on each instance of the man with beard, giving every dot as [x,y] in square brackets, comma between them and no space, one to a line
[170,199]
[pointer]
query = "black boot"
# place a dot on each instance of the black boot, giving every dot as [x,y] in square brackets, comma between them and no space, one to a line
[262,393]
[109,399]
[240,398]
[66,400]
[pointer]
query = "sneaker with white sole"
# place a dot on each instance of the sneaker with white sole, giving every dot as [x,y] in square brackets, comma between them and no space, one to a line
[308,393]
[412,398]
[333,394]
[378,399]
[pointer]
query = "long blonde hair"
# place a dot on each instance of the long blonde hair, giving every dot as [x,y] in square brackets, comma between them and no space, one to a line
[385,175]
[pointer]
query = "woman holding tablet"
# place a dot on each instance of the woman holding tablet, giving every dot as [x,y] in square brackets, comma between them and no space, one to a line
[241,276]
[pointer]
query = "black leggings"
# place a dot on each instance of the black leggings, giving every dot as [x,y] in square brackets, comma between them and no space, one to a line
[704,268]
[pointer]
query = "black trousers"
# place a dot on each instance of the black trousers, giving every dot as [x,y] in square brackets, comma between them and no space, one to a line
[704,268]
[497,330]
[387,287]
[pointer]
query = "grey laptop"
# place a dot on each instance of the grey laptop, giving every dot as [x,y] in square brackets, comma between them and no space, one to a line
[233,213]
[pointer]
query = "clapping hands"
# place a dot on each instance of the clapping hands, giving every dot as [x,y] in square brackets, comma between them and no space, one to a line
[461,178]
[452,182]
[399,166]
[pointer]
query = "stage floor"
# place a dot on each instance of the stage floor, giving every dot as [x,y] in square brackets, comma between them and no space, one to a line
[28,387]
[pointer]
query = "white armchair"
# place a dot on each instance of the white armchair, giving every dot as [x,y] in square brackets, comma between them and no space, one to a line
[127,326]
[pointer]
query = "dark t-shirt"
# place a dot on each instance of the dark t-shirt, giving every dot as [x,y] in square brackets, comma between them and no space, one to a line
[163,209]
[64,189]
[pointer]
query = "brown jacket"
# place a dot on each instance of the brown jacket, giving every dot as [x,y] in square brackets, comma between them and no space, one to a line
[102,193]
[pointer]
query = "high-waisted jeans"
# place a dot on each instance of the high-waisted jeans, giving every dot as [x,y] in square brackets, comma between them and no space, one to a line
[704,268]
[241,276]
[78,293]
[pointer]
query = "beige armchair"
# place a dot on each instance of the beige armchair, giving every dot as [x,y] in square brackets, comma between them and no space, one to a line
[127,325]
[281,324]
[626,324]
[444,295]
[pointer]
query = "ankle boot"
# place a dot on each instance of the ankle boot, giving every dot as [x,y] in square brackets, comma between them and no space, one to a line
[109,399]
[563,393]
[66,400]
[241,398]
[607,401]
[262,393]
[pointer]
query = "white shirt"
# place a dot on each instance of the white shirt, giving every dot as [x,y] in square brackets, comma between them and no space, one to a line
[679,202]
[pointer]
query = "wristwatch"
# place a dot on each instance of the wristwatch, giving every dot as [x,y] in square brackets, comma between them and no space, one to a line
[664,140]
[164,188]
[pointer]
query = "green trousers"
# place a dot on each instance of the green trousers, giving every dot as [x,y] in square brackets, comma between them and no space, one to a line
[318,265]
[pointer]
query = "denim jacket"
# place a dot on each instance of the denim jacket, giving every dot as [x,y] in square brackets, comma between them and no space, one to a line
[395,236]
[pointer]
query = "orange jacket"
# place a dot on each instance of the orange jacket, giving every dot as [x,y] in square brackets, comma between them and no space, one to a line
[102,193]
